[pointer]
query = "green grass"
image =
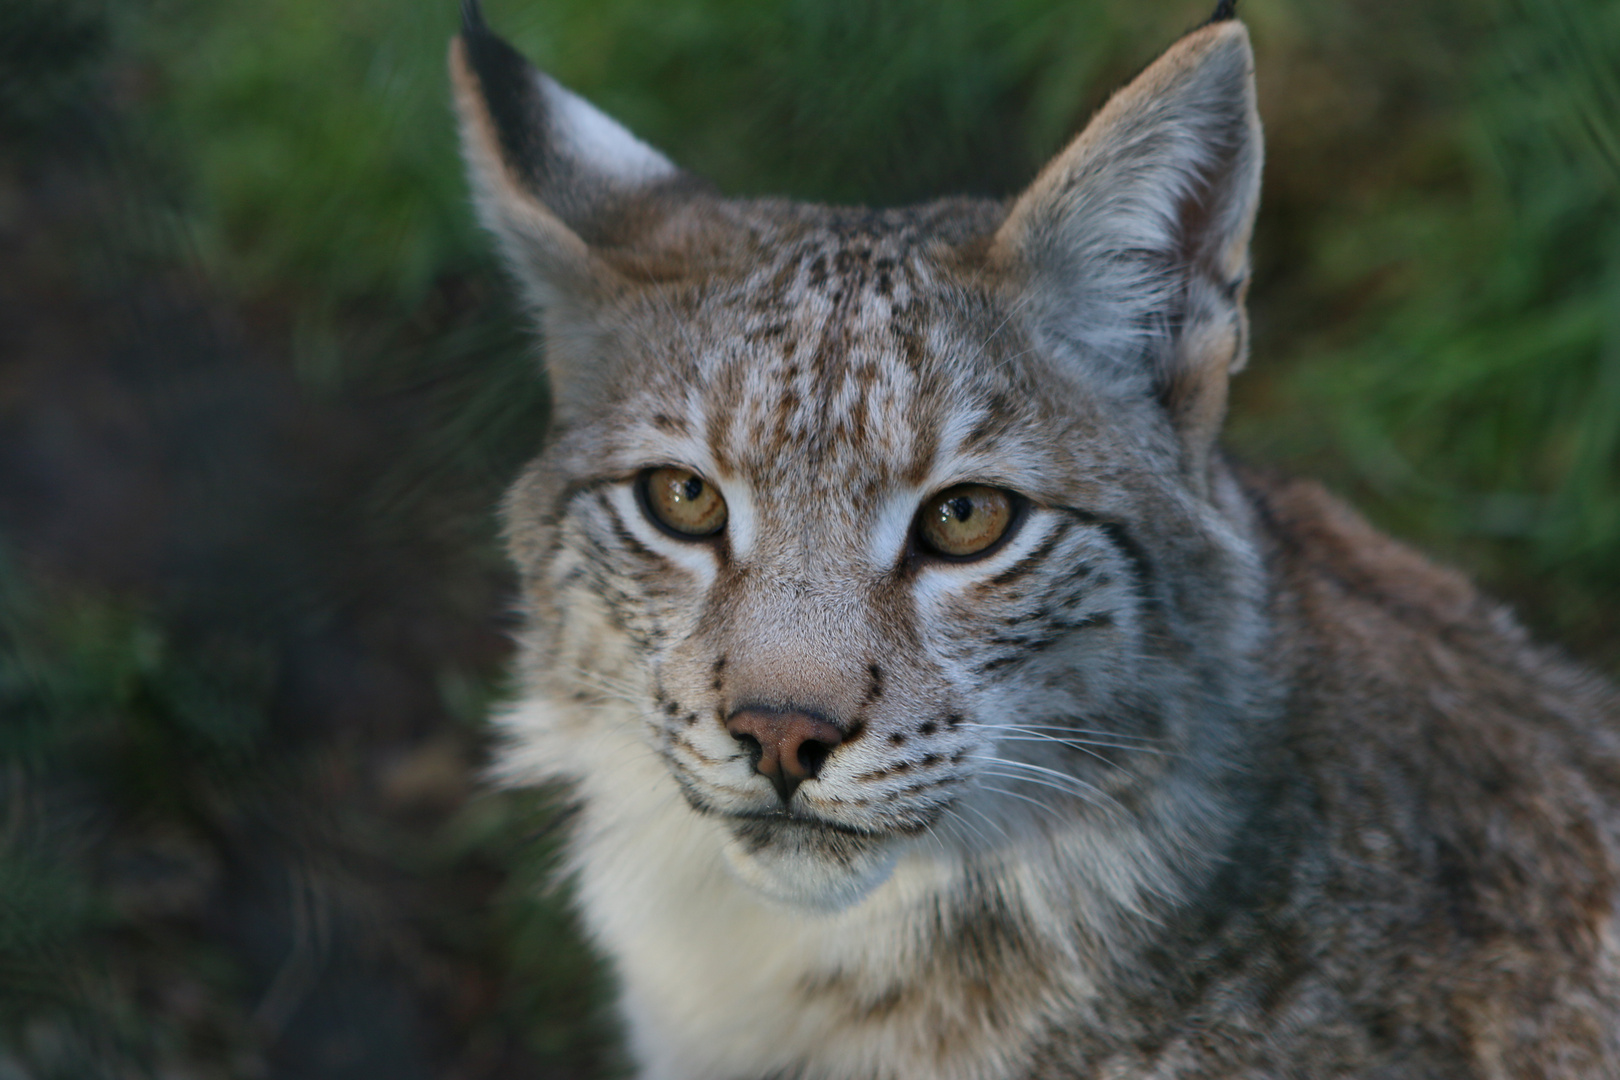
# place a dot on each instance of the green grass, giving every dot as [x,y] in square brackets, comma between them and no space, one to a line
[117,745]
[1470,397]
[318,159]
[1455,364]
[1437,316]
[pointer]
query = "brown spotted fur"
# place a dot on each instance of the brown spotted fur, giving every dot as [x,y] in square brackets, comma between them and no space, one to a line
[1199,777]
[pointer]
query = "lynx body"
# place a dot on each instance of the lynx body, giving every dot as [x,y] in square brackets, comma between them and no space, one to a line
[1168,770]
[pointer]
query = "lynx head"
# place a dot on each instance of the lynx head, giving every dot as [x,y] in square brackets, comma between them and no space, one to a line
[886,530]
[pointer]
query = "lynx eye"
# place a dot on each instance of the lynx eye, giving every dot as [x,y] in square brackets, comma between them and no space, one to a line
[682,502]
[965,521]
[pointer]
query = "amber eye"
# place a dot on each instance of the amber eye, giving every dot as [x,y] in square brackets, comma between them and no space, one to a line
[965,520]
[682,502]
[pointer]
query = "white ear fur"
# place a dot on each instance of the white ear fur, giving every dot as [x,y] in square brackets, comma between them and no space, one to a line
[543,252]
[1132,244]
[595,143]
[549,171]
[555,180]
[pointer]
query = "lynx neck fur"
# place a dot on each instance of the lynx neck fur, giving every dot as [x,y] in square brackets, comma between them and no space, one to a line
[939,702]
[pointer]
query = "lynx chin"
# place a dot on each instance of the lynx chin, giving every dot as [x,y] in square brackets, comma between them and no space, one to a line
[941,704]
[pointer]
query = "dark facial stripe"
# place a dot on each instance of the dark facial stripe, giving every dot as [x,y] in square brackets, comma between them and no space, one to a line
[562,505]
[622,533]
[1129,548]
[1034,559]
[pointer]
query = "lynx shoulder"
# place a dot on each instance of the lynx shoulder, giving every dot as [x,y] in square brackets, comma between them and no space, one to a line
[941,703]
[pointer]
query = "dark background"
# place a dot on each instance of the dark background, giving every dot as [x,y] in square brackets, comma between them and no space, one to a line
[261,384]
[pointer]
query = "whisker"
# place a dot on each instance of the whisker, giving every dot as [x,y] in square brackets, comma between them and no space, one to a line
[952,812]
[1023,302]
[620,689]
[1043,770]
[1087,746]
[1095,798]
[1045,808]
[1057,781]
[1014,357]
[1109,741]
[990,821]
[1041,736]
[1082,747]
[933,832]
[1089,740]
[1067,730]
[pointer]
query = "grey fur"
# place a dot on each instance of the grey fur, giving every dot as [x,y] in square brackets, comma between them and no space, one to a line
[1196,776]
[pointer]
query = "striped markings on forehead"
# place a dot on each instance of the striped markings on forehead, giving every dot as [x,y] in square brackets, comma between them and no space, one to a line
[835,367]
[845,371]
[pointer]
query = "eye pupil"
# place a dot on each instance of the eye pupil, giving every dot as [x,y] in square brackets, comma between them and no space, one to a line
[965,521]
[681,502]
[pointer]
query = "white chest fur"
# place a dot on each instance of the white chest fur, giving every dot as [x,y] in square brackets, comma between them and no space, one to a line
[719,983]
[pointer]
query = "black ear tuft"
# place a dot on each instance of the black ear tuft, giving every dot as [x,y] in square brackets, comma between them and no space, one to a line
[511,93]
[1224,10]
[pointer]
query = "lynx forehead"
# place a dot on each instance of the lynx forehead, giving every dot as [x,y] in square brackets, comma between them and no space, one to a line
[828,366]
[940,703]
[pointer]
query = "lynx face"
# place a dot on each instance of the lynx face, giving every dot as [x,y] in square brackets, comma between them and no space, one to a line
[887,531]
[829,418]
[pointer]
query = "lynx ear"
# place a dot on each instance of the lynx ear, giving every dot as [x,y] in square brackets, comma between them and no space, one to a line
[1132,244]
[570,195]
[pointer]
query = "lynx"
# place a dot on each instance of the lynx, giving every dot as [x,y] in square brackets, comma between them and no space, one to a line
[940,702]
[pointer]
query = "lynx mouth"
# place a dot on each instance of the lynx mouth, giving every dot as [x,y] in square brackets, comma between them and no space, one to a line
[787,819]
[757,832]
[807,828]
[808,863]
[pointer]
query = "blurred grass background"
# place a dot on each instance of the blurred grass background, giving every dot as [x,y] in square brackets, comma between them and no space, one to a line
[261,384]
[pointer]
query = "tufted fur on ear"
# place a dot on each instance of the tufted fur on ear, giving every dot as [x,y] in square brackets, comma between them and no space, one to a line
[1131,247]
[578,205]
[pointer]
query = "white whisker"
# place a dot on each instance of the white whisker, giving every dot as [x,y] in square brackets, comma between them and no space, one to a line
[1022,303]
[1082,747]
[1095,798]
[1106,743]
[1078,732]
[617,689]
[1041,769]
[1043,807]
[951,810]
[1057,781]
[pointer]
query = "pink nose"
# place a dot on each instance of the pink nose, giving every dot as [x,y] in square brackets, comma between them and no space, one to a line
[789,746]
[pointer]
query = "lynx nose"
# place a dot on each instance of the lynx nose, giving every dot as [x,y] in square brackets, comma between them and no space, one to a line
[788,746]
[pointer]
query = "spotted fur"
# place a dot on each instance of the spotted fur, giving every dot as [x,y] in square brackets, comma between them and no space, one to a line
[1195,776]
